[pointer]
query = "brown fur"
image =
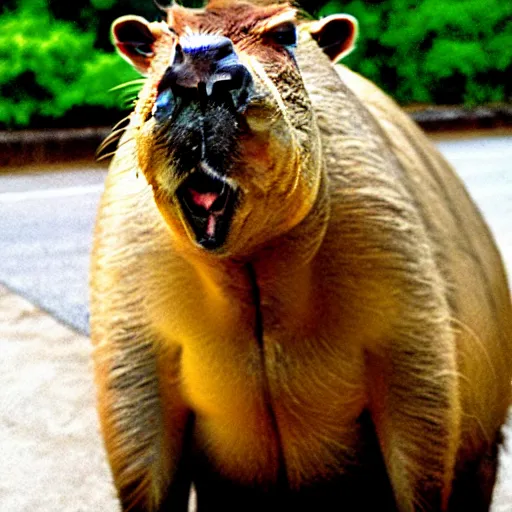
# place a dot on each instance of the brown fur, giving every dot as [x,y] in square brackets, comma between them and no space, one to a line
[353,337]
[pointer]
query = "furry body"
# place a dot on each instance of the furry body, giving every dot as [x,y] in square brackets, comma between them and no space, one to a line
[360,354]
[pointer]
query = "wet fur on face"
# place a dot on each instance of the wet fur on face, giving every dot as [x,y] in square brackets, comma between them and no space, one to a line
[266,152]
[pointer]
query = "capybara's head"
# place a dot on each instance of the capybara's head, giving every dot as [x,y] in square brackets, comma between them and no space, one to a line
[224,128]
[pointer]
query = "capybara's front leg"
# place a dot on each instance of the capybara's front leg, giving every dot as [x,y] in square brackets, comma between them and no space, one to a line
[416,411]
[145,425]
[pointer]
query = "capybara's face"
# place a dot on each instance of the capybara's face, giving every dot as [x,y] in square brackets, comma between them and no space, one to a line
[224,128]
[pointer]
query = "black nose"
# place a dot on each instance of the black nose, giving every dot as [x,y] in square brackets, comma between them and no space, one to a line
[206,68]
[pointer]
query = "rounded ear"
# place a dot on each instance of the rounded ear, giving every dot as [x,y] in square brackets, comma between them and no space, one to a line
[135,39]
[336,35]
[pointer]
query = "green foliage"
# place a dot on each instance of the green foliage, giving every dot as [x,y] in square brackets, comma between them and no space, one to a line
[48,68]
[103,4]
[434,51]
[57,61]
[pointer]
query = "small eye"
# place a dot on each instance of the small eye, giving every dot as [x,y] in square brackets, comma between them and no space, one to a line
[284,35]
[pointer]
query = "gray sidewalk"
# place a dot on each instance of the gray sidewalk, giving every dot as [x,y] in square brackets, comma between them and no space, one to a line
[52,456]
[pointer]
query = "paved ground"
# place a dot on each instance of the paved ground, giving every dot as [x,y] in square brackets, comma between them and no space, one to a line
[485,165]
[52,455]
[46,220]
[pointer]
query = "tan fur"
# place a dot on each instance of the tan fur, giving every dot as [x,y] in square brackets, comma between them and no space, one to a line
[357,252]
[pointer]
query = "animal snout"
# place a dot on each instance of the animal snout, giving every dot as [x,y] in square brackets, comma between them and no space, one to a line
[205,68]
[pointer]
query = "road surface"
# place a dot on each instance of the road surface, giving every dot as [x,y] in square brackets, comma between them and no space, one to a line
[52,455]
[46,223]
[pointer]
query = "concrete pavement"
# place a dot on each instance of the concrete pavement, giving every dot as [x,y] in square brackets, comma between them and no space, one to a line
[52,456]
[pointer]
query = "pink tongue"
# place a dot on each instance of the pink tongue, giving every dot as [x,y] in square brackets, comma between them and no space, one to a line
[205,200]
[210,228]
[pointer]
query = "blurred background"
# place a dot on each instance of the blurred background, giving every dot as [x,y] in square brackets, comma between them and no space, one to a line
[58,66]
[448,62]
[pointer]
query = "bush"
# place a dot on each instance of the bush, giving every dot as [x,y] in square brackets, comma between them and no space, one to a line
[49,67]
[434,51]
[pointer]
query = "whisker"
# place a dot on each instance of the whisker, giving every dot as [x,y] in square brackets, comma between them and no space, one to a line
[125,142]
[129,103]
[138,81]
[105,156]
[100,158]
[129,92]
[118,124]
[114,136]
[128,98]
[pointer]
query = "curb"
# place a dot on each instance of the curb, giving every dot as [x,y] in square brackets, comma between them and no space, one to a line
[439,118]
[19,148]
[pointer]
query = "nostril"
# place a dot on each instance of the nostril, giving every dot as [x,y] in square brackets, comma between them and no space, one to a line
[229,79]
[217,81]
[236,81]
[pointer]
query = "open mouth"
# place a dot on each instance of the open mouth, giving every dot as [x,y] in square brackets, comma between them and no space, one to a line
[208,204]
